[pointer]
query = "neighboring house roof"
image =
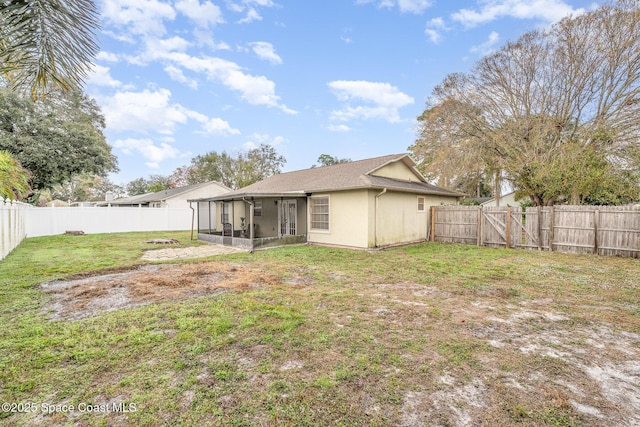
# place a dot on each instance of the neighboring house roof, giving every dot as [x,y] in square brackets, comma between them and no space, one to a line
[504,198]
[344,176]
[478,200]
[143,199]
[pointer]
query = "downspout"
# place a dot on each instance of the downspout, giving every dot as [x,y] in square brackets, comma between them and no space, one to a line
[250,202]
[375,218]
[193,215]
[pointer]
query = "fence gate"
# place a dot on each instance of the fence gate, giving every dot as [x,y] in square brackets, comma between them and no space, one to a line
[493,228]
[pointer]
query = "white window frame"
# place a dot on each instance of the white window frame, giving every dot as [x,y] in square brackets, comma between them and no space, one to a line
[257,208]
[424,204]
[311,206]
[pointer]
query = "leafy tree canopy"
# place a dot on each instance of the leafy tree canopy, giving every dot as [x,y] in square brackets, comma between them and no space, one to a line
[55,139]
[233,171]
[154,184]
[555,112]
[329,160]
[14,180]
[85,187]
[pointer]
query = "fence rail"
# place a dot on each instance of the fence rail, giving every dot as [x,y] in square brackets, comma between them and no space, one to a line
[603,230]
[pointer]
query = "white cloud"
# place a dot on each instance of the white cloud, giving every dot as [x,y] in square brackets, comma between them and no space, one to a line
[383,100]
[378,93]
[176,74]
[249,145]
[405,6]
[157,48]
[107,56]
[148,111]
[414,6]
[139,16]
[100,76]
[252,15]
[434,28]
[339,128]
[142,111]
[486,48]
[256,90]
[265,51]
[547,10]
[217,126]
[153,153]
[204,14]
[255,139]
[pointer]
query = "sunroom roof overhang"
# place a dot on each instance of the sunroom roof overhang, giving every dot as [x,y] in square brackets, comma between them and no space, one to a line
[250,196]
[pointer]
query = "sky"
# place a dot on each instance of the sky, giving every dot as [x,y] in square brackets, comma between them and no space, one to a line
[180,78]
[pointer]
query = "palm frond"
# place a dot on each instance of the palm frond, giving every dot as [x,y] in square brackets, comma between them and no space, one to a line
[47,44]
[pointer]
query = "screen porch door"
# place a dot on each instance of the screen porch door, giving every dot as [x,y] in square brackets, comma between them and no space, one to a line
[287,215]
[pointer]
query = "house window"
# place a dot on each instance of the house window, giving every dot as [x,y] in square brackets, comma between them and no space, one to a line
[421,204]
[320,213]
[257,208]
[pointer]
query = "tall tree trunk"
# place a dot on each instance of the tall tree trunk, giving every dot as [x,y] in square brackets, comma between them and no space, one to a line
[497,190]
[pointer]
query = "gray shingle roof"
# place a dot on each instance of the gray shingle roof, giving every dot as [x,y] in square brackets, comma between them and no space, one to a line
[344,176]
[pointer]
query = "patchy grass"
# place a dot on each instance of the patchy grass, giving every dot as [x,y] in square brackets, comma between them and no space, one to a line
[429,334]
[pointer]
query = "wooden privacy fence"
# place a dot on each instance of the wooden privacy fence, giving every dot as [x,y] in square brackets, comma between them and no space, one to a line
[603,230]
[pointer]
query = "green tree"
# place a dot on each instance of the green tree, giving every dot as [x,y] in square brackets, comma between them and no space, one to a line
[137,186]
[568,92]
[448,153]
[234,172]
[85,187]
[329,160]
[47,44]
[14,179]
[154,184]
[55,139]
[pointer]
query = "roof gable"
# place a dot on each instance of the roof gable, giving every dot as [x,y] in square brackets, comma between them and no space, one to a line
[402,168]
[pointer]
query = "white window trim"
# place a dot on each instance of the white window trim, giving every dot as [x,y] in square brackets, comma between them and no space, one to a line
[310,204]
[424,204]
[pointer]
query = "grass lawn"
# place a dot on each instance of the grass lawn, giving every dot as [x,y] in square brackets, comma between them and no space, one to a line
[428,334]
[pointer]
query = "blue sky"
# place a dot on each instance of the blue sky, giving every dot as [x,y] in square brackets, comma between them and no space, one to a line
[179,78]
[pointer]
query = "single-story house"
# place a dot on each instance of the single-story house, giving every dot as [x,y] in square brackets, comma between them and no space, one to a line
[362,204]
[171,198]
[505,200]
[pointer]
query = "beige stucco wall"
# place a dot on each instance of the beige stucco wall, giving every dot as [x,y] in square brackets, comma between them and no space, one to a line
[348,220]
[397,170]
[355,221]
[398,219]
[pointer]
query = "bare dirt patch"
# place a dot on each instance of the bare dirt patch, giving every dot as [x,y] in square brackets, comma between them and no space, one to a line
[533,359]
[98,292]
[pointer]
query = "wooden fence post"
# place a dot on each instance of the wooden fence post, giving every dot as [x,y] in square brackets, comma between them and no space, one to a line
[539,209]
[596,220]
[508,228]
[479,227]
[552,221]
[433,224]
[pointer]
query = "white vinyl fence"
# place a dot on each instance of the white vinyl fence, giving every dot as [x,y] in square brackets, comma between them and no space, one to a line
[20,221]
[12,225]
